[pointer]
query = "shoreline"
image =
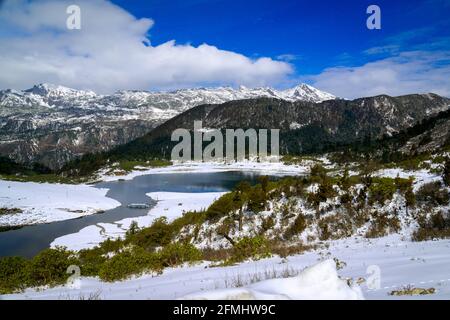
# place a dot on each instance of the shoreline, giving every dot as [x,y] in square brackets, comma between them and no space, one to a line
[169,204]
[271,168]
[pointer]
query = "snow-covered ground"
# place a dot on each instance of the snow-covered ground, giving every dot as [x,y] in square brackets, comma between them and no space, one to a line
[46,202]
[318,282]
[420,176]
[170,205]
[394,262]
[268,168]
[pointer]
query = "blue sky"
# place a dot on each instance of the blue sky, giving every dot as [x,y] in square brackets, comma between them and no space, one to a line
[171,44]
[319,34]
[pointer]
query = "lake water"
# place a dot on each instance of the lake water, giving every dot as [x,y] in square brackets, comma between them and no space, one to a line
[29,240]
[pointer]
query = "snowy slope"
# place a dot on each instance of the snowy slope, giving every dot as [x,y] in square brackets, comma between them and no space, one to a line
[401,263]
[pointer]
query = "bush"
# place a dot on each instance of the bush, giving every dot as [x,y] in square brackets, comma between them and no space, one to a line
[335,227]
[13,274]
[246,248]
[383,225]
[433,194]
[175,254]
[91,260]
[381,190]
[49,267]
[297,227]
[257,199]
[410,198]
[160,233]
[346,198]
[127,263]
[133,229]
[402,184]
[318,173]
[324,192]
[344,181]
[222,206]
[436,227]
[267,223]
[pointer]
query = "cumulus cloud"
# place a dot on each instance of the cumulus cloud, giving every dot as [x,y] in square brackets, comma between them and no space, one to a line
[112,51]
[405,73]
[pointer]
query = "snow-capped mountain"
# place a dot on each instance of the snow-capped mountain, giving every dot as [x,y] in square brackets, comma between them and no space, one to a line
[52,124]
[53,96]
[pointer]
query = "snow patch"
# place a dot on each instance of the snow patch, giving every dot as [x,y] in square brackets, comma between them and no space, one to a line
[48,202]
[319,282]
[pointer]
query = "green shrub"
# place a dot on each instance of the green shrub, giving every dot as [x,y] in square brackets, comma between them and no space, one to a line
[324,192]
[267,223]
[402,184]
[433,194]
[410,198]
[127,263]
[222,206]
[346,198]
[49,267]
[383,225]
[160,233]
[335,227]
[436,227]
[255,248]
[297,227]
[381,190]
[91,260]
[344,181]
[175,254]
[13,274]
[257,199]
[133,229]
[318,173]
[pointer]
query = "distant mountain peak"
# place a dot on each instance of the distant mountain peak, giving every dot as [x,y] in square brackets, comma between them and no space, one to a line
[306,92]
[50,89]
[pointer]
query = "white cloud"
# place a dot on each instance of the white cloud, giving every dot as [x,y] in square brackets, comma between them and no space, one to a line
[108,53]
[405,73]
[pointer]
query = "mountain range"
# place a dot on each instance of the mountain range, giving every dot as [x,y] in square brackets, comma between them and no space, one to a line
[51,124]
[305,127]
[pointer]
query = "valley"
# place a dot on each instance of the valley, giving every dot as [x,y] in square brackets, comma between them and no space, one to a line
[353,176]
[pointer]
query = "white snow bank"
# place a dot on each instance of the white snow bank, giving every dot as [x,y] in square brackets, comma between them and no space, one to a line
[319,282]
[49,202]
[170,205]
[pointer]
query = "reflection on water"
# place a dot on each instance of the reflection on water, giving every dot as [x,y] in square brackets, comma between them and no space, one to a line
[29,240]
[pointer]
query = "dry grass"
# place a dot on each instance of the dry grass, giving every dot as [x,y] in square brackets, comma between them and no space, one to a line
[241,280]
[411,291]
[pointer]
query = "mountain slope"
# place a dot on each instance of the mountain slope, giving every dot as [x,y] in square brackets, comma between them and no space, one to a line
[52,124]
[305,127]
